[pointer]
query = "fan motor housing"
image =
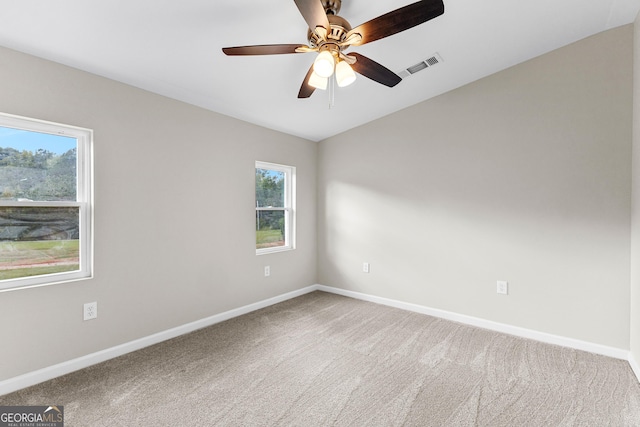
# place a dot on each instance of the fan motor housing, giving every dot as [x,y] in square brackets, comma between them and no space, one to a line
[338,32]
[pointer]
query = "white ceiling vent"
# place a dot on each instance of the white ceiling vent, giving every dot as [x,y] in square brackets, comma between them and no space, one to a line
[427,63]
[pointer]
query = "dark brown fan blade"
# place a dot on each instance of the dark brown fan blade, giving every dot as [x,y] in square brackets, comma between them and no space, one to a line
[313,12]
[306,90]
[265,49]
[371,69]
[398,20]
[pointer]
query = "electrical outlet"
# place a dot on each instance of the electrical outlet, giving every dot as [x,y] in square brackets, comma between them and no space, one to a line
[365,267]
[502,287]
[267,271]
[90,310]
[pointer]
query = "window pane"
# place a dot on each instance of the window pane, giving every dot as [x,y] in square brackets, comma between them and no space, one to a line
[38,240]
[37,166]
[269,188]
[269,229]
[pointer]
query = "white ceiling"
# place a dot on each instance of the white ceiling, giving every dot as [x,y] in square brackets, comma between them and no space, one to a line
[174,48]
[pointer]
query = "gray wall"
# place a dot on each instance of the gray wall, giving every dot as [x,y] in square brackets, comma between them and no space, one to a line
[174,221]
[635,224]
[523,176]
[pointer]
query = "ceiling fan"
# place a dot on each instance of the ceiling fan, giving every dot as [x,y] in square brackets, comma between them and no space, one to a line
[330,35]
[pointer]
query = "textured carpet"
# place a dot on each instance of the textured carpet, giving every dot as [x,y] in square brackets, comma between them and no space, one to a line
[322,359]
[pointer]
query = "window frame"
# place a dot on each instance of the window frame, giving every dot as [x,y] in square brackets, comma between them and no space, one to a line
[288,208]
[84,200]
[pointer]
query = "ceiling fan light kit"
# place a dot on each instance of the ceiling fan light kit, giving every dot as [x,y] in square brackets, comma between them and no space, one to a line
[324,64]
[331,35]
[318,82]
[344,74]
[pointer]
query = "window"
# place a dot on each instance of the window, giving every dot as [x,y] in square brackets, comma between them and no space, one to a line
[45,202]
[275,204]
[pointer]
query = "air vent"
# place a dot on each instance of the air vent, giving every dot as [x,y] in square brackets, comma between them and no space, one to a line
[415,68]
[427,63]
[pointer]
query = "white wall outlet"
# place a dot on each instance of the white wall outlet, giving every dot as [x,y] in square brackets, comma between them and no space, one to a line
[90,310]
[365,267]
[267,271]
[502,287]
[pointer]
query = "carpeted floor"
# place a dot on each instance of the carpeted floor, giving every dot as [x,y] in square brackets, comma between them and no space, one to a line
[323,359]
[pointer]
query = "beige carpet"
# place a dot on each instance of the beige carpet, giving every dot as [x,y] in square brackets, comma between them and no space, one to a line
[322,359]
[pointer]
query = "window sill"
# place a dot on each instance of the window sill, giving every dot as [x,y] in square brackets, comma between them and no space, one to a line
[267,251]
[61,281]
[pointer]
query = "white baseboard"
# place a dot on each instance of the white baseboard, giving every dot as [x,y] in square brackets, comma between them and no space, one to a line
[45,374]
[487,324]
[634,366]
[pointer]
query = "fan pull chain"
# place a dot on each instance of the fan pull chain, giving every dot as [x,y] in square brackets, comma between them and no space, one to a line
[332,92]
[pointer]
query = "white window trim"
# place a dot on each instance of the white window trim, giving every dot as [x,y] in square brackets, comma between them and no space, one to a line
[289,207]
[84,197]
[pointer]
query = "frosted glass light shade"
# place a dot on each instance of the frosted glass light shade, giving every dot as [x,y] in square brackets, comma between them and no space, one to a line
[317,81]
[344,74]
[324,64]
